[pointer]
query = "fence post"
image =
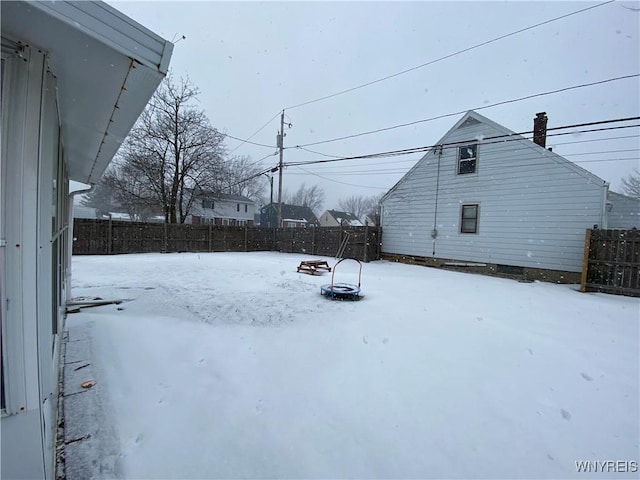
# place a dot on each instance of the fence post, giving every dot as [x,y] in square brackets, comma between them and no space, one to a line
[209,238]
[224,238]
[313,242]
[366,242]
[292,239]
[246,234]
[109,240]
[585,261]
[165,238]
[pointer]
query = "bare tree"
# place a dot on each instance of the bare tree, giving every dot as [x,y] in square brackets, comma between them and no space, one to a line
[312,197]
[360,205]
[131,193]
[99,198]
[242,177]
[631,184]
[170,154]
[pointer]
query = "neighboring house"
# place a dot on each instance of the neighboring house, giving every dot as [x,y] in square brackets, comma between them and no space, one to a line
[490,196]
[222,209]
[293,216]
[335,218]
[623,211]
[75,77]
[80,211]
[370,220]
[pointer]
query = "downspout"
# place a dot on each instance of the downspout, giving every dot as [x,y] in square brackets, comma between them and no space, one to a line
[434,232]
[72,196]
[604,214]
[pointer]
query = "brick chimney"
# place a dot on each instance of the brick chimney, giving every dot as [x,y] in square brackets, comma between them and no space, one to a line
[540,129]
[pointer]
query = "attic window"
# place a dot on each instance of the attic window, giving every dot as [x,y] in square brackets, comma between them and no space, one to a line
[467,158]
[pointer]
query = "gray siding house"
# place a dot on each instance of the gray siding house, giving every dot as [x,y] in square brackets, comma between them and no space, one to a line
[623,212]
[222,209]
[488,196]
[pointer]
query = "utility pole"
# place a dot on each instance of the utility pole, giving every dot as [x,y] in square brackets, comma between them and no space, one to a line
[281,148]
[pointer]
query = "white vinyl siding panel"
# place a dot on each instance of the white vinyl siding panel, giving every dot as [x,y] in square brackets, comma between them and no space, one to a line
[534,205]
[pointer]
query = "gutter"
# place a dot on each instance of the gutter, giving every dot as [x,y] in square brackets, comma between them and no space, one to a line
[70,202]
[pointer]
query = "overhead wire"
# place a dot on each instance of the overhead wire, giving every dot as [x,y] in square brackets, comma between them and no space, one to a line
[247,141]
[253,134]
[438,117]
[555,144]
[504,138]
[459,52]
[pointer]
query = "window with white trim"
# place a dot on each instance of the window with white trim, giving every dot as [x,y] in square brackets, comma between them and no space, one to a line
[469,218]
[467,158]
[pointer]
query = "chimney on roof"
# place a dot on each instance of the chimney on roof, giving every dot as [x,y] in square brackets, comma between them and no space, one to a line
[540,129]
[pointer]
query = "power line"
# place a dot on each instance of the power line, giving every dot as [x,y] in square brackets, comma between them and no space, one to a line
[253,134]
[337,181]
[265,157]
[555,144]
[550,92]
[247,141]
[502,37]
[505,138]
[394,168]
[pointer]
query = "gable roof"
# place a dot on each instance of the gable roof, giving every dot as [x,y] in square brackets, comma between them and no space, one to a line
[292,212]
[473,118]
[347,217]
[226,196]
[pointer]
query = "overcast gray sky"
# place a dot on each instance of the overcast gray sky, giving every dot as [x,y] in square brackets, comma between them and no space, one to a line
[251,60]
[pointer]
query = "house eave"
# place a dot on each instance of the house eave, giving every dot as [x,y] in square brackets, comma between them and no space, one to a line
[107,68]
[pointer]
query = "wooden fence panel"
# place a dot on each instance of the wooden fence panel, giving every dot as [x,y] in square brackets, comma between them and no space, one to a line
[103,237]
[612,262]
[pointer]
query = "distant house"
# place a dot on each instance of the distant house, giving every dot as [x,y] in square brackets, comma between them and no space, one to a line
[80,211]
[222,209]
[370,220]
[622,212]
[335,218]
[293,216]
[490,196]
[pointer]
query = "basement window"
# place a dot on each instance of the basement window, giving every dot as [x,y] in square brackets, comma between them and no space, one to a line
[467,158]
[469,219]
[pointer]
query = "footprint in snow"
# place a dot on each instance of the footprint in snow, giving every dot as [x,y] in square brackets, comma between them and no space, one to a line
[385,340]
[566,415]
[586,377]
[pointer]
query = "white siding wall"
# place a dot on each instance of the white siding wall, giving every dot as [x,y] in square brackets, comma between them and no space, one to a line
[533,210]
[30,153]
[327,220]
[624,213]
[225,209]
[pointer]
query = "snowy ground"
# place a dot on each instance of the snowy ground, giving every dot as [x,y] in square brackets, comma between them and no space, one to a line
[229,365]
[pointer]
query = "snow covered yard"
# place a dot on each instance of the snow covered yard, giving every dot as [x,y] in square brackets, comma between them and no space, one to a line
[228,365]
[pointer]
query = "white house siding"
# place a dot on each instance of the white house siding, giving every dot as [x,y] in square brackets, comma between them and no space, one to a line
[32,288]
[624,213]
[52,129]
[327,220]
[225,210]
[534,206]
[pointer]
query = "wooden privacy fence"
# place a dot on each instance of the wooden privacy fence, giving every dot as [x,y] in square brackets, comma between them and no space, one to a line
[612,262]
[105,237]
